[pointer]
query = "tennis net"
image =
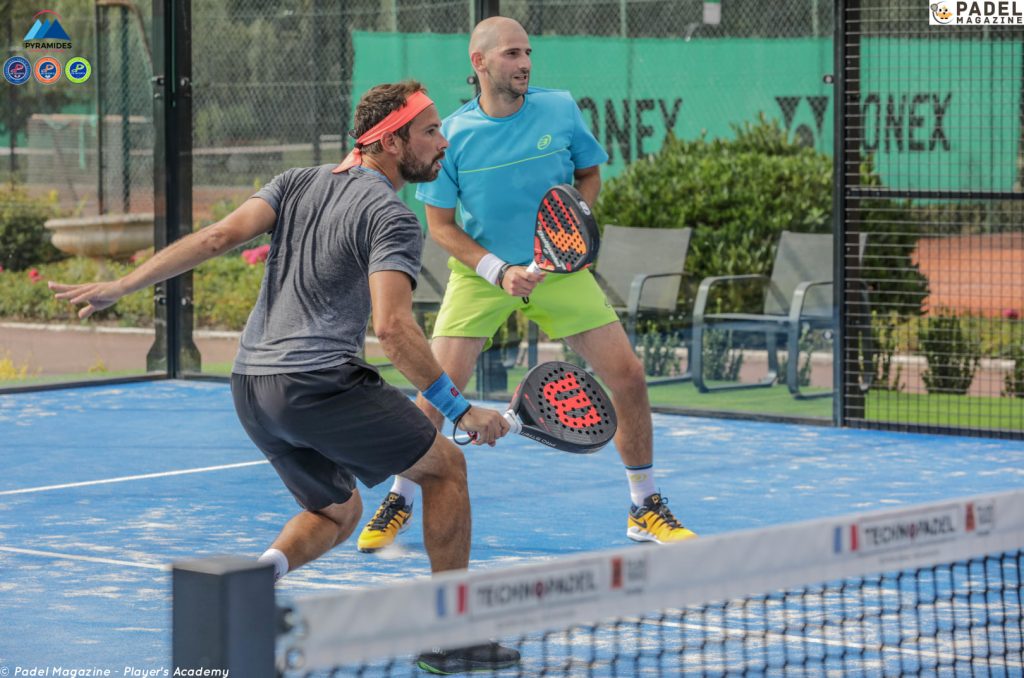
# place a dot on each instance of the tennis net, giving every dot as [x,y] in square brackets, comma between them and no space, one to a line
[926,590]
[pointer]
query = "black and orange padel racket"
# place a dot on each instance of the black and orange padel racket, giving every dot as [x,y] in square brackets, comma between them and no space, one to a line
[560,405]
[566,238]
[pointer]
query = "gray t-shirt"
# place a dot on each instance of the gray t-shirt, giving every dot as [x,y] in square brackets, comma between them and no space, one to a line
[332,232]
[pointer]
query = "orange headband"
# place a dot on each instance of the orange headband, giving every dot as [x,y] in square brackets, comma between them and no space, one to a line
[394,121]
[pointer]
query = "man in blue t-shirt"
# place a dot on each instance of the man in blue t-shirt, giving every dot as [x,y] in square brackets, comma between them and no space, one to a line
[507,148]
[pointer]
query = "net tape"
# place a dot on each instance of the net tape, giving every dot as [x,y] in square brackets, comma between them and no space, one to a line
[465,607]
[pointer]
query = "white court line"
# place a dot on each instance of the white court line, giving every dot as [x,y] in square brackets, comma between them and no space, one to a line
[122,479]
[91,559]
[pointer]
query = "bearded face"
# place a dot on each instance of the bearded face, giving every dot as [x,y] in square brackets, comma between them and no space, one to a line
[416,170]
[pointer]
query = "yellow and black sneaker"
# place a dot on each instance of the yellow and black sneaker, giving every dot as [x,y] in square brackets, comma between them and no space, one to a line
[488,657]
[653,521]
[391,518]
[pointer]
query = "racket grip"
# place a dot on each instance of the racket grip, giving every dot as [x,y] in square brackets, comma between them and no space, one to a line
[532,268]
[514,422]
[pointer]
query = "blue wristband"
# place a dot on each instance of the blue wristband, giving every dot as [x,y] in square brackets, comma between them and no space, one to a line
[443,395]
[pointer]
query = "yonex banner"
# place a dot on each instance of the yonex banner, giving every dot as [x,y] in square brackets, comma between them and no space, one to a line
[633,92]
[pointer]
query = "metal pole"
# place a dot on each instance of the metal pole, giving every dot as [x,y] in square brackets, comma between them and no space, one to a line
[12,103]
[173,350]
[849,399]
[486,8]
[126,144]
[100,69]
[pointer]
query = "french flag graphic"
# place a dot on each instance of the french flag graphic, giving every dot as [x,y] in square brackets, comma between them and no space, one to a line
[845,539]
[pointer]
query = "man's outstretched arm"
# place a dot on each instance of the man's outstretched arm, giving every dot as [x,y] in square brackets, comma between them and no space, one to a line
[254,217]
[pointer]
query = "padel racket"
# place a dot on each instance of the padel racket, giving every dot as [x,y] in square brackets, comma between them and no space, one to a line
[566,238]
[560,405]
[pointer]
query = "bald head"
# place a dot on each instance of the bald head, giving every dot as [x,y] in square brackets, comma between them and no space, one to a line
[499,51]
[493,33]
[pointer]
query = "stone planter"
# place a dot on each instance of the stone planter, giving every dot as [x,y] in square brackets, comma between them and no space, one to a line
[117,236]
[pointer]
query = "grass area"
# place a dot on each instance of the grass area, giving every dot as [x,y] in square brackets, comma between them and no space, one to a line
[943,409]
[884,406]
[775,400]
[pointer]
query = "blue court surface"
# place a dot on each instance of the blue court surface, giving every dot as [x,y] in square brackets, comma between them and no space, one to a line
[103,487]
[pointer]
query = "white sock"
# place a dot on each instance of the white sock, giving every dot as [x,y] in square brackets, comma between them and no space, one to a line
[404,487]
[276,558]
[641,482]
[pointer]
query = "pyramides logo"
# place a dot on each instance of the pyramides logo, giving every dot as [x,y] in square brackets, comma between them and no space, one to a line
[47,33]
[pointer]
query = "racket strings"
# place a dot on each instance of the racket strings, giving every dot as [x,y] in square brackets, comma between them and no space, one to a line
[572,405]
[566,239]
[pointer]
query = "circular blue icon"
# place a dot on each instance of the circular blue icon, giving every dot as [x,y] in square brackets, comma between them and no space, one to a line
[78,69]
[17,70]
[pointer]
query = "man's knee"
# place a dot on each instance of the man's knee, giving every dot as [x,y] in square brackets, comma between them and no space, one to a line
[443,462]
[626,375]
[453,462]
[346,514]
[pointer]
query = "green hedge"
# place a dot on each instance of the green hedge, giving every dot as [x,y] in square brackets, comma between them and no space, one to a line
[24,241]
[225,291]
[739,194]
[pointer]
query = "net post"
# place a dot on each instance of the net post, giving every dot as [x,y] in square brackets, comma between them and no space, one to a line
[224,616]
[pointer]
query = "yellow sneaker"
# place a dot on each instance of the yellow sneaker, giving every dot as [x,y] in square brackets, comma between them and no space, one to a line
[653,521]
[391,518]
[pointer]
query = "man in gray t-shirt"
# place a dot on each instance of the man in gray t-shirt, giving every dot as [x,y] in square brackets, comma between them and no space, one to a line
[313,306]
[342,246]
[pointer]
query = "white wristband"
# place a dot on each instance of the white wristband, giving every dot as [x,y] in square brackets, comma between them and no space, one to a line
[489,267]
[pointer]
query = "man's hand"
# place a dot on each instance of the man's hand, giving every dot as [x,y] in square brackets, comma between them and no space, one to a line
[95,296]
[518,282]
[484,425]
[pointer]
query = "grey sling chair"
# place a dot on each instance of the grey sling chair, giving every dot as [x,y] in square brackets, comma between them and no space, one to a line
[640,271]
[797,295]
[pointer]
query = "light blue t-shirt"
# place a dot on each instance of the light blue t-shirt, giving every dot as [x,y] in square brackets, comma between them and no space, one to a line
[497,169]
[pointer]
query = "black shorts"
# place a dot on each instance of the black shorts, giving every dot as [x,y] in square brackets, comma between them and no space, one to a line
[321,430]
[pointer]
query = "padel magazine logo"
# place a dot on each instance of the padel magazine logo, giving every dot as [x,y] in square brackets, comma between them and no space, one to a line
[985,13]
[913,529]
[46,32]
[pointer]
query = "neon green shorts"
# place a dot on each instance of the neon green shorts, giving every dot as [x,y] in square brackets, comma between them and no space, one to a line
[562,305]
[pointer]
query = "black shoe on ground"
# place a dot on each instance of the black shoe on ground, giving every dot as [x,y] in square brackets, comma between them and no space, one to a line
[486,657]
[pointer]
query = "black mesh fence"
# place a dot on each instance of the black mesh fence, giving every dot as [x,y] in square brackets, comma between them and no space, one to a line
[931,180]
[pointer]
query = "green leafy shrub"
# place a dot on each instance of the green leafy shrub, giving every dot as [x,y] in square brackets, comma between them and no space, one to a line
[24,242]
[885,336]
[24,296]
[657,351]
[739,194]
[888,263]
[953,355]
[721,362]
[225,290]
[1013,382]
[807,343]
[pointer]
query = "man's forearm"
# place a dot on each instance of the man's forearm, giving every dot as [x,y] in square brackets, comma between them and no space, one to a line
[177,258]
[457,243]
[589,187]
[407,348]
